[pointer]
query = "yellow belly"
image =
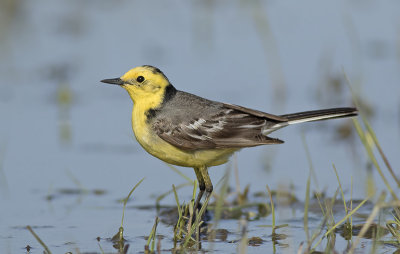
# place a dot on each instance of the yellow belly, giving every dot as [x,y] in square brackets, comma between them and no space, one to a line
[159,148]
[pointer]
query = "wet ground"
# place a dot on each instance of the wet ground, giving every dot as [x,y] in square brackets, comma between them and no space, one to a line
[68,156]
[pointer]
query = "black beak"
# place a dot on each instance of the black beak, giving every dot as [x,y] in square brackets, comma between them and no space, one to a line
[113,81]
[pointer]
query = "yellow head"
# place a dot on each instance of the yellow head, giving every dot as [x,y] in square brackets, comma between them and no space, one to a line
[145,84]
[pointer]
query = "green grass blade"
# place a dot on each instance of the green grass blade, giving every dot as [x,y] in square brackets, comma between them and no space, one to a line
[367,145]
[273,210]
[180,173]
[372,157]
[152,234]
[341,221]
[380,150]
[47,251]
[306,206]
[177,199]
[162,196]
[341,190]
[126,200]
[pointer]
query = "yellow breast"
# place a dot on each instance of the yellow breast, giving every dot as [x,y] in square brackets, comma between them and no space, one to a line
[159,148]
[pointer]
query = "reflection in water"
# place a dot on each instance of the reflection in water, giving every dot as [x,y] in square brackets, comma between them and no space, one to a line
[3,180]
[64,99]
[9,12]
[60,74]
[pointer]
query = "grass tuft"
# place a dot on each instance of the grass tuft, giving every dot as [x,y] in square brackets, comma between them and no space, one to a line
[331,230]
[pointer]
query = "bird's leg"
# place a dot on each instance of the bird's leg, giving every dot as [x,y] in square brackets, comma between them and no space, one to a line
[202,187]
[207,182]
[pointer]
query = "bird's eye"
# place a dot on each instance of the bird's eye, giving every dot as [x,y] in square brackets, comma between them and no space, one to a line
[140,79]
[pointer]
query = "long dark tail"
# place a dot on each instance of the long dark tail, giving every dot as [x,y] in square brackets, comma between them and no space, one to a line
[317,115]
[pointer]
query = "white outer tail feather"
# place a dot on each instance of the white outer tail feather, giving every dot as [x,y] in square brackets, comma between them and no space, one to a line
[316,118]
[316,115]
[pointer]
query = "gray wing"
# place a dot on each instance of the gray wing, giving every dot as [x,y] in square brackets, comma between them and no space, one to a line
[214,125]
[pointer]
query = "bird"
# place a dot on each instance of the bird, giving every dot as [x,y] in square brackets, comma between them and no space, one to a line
[186,130]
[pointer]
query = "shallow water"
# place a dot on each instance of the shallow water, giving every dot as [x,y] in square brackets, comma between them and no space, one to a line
[67,154]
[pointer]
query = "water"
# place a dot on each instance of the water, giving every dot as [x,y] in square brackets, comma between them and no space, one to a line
[67,154]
